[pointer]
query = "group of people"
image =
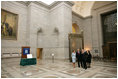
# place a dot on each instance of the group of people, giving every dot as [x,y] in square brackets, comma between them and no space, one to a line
[83,57]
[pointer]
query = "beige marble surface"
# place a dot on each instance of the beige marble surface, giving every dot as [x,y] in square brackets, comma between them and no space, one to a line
[10,68]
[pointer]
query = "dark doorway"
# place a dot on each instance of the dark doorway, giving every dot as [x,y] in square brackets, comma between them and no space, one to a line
[113,50]
[109,31]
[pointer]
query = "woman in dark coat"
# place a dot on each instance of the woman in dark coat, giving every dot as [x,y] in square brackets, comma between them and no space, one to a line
[89,59]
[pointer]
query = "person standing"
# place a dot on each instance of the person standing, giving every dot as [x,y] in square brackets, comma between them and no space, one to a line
[89,59]
[82,52]
[78,56]
[73,58]
[84,58]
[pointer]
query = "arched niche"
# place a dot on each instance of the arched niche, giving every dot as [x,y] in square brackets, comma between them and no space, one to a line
[75,28]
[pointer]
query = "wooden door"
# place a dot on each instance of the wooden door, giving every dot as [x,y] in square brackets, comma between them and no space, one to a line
[39,53]
[113,51]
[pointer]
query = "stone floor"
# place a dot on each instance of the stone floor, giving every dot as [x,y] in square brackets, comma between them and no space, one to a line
[10,68]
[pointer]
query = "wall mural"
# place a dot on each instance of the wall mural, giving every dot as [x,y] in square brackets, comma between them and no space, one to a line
[8,25]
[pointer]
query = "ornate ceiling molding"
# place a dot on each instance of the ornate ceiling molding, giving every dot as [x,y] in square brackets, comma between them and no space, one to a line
[26,3]
[80,16]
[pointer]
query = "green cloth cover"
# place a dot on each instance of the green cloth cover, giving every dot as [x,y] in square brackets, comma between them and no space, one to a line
[27,61]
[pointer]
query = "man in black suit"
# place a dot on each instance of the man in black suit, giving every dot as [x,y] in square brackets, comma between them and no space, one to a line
[79,58]
[84,59]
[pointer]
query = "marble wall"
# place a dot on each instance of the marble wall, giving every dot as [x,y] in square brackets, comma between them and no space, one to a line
[44,27]
[91,25]
[14,46]
[47,26]
[98,9]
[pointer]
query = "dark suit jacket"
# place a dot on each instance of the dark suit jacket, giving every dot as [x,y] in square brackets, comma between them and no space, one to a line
[85,56]
[79,55]
[89,58]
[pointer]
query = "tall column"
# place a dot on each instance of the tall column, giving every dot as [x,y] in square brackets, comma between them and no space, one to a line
[61,18]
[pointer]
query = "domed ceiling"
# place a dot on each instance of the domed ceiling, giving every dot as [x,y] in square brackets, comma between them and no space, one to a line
[82,8]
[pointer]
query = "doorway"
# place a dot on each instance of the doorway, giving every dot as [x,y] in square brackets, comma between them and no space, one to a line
[109,32]
[113,50]
[75,42]
[39,53]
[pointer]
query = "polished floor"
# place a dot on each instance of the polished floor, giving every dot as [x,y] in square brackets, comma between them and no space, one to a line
[10,68]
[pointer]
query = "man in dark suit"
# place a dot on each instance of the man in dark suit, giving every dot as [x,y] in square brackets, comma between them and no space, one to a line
[84,59]
[79,58]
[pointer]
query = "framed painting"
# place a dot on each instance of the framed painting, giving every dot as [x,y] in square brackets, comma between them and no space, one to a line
[26,51]
[9,24]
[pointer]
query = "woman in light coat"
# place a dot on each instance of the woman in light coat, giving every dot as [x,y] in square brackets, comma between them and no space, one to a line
[73,58]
